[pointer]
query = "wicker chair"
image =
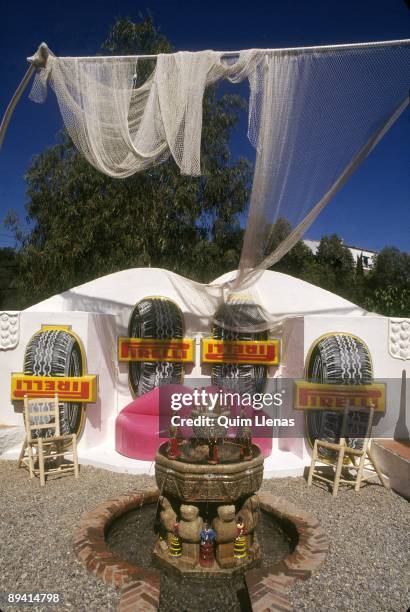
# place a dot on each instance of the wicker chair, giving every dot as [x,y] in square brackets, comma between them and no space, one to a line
[361,459]
[44,444]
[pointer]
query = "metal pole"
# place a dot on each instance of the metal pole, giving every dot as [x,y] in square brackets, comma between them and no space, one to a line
[13,103]
[315,49]
[37,61]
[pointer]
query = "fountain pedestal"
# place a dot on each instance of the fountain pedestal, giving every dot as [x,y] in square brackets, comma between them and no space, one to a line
[212,507]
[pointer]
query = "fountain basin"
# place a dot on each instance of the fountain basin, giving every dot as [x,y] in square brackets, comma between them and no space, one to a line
[139,583]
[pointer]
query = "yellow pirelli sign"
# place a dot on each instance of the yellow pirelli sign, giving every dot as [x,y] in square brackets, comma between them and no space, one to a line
[68,388]
[145,349]
[316,396]
[261,352]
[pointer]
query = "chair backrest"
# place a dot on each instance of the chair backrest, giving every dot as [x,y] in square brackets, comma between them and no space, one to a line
[41,417]
[369,410]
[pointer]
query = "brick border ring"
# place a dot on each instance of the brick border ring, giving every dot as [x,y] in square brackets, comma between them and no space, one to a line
[268,587]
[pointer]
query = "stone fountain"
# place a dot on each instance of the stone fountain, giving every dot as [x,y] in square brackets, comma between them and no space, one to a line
[205,516]
[208,507]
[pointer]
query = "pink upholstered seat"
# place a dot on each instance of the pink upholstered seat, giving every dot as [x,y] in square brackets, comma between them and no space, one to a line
[138,431]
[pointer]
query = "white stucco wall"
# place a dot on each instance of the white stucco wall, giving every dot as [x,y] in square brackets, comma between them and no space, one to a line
[98,312]
[97,332]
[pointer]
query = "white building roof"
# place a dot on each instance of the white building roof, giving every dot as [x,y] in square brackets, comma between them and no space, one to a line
[281,295]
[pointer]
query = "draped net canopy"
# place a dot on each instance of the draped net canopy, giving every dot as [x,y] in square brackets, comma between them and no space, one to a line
[314,114]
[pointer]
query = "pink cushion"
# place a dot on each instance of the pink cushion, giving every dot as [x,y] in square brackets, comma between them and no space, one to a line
[145,404]
[137,426]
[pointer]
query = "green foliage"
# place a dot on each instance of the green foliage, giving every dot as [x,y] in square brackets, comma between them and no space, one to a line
[388,284]
[359,282]
[359,272]
[385,289]
[390,301]
[331,268]
[392,267]
[144,38]
[85,224]
[299,260]
[129,38]
[9,297]
[337,265]
[331,252]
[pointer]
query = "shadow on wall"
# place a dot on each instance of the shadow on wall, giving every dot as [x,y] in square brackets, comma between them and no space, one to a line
[108,333]
[401,431]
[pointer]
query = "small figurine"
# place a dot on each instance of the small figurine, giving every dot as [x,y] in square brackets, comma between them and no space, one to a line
[213,451]
[244,437]
[189,530]
[175,546]
[239,551]
[247,445]
[206,548]
[224,525]
[159,529]
[250,513]
[167,514]
[173,451]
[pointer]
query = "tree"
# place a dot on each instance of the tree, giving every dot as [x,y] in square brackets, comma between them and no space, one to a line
[331,252]
[85,224]
[388,284]
[299,260]
[359,281]
[359,273]
[9,297]
[392,266]
[337,266]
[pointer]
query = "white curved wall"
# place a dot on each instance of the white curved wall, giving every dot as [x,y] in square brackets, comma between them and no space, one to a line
[99,311]
[117,293]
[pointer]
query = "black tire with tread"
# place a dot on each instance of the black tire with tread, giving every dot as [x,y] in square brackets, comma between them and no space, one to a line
[160,319]
[56,352]
[239,378]
[338,359]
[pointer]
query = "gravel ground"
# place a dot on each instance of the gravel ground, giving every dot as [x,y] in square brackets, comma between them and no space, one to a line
[367,568]
[36,528]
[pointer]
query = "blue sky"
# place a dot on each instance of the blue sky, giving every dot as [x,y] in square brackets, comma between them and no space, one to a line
[378,195]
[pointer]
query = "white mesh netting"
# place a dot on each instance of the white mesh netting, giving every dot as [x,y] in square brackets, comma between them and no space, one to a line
[122,129]
[314,115]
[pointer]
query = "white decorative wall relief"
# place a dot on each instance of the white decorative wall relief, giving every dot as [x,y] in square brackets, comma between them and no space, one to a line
[9,330]
[399,338]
